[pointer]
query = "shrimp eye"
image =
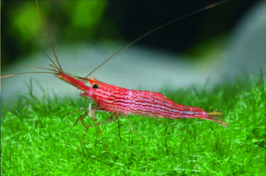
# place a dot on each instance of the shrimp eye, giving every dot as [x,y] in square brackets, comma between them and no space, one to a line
[95,86]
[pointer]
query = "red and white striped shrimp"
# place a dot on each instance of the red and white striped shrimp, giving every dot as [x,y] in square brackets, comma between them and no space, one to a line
[122,101]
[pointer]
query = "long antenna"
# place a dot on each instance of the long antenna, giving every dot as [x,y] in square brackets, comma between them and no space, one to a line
[156,29]
[14,74]
[41,48]
[22,66]
[48,39]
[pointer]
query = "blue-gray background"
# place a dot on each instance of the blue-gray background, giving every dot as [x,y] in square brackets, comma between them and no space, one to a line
[219,44]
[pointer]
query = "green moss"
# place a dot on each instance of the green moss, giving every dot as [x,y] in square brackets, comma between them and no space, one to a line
[37,138]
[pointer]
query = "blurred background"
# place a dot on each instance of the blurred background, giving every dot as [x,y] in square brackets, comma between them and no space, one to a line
[218,44]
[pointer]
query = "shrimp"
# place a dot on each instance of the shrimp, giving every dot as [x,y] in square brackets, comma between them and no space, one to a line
[121,101]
